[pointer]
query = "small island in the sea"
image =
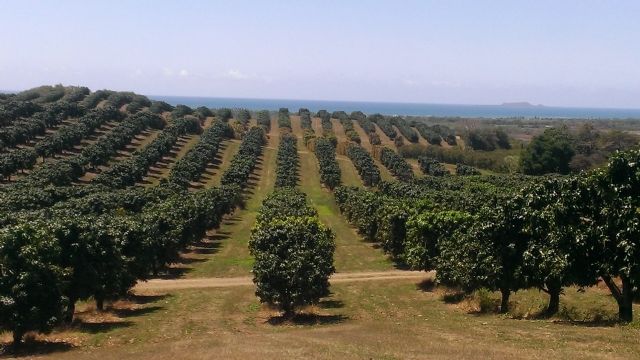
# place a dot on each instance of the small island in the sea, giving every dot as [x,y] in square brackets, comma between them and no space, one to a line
[520,104]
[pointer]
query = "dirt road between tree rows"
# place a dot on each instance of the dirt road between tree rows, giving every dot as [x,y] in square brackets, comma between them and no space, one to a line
[177,284]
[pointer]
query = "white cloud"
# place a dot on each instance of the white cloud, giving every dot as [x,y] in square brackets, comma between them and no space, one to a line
[183,72]
[236,75]
[167,71]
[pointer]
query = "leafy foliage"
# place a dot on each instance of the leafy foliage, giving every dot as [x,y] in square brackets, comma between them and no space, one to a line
[70,135]
[328,166]
[132,170]
[367,126]
[31,285]
[305,118]
[284,121]
[487,139]
[325,120]
[293,252]
[222,114]
[191,166]
[349,130]
[362,160]
[463,170]
[287,162]
[430,166]
[432,137]
[385,125]
[404,128]
[92,100]
[22,130]
[245,160]
[243,116]
[264,119]
[550,152]
[396,164]
[158,107]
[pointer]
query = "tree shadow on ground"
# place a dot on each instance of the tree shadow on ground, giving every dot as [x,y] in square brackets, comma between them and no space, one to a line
[217,236]
[331,304]
[589,323]
[307,319]
[32,347]
[426,285]
[399,265]
[100,327]
[231,220]
[173,273]
[210,170]
[129,312]
[453,297]
[145,299]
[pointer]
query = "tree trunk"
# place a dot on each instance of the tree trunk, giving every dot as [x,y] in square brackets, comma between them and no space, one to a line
[626,309]
[288,310]
[68,316]
[17,337]
[554,303]
[504,303]
[554,299]
[624,297]
[100,303]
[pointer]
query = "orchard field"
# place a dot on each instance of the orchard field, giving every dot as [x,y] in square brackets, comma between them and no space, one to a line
[131,228]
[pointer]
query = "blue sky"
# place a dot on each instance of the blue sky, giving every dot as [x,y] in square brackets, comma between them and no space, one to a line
[567,53]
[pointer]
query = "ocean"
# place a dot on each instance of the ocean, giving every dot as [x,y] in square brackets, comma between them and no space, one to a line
[417,109]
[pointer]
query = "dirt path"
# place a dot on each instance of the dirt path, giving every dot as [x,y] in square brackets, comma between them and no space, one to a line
[364,138]
[316,124]
[415,166]
[421,140]
[386,141]
[202,283]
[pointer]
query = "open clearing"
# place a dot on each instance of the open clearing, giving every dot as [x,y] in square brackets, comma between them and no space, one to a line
[203,283]
[386,319]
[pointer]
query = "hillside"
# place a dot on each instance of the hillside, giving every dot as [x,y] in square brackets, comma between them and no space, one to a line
[132,228]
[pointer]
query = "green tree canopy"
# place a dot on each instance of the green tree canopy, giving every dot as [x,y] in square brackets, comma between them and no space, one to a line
[550,152]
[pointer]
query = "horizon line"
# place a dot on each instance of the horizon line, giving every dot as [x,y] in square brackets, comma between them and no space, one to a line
[513,104]
[504,104]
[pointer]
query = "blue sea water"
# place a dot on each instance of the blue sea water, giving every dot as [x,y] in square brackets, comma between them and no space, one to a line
[391,108]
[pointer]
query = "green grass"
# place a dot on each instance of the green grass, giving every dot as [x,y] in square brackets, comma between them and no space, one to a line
[415,166]
[233,258]
[352,253]
[348,173]
[391,319]
[385,174]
